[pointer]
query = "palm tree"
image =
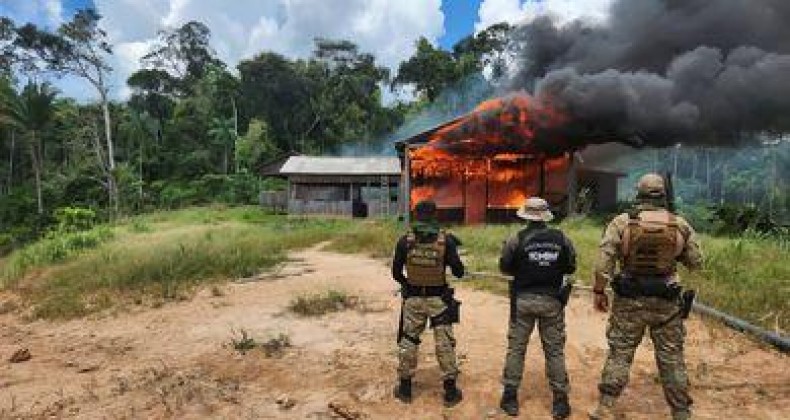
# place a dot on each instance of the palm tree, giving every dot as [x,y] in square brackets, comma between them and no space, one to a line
[223,132]
[140,127]
[30,111]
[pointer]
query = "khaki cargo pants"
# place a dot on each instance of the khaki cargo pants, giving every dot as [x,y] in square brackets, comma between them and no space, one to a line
[549,315]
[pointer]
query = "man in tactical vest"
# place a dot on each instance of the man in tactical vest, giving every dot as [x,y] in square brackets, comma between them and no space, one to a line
[425,251]
[538,258]
[647,243]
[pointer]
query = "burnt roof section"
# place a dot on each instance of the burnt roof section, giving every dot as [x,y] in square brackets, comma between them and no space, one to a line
[423,137]
[329,165]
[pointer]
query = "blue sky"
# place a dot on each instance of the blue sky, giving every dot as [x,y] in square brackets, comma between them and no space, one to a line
[459,20]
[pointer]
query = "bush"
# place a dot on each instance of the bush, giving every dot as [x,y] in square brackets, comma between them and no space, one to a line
[74,219]
[233,189]
[55,248]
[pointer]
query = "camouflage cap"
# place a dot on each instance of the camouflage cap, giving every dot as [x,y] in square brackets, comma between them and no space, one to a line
[535,209]
[425,210]
[651,185]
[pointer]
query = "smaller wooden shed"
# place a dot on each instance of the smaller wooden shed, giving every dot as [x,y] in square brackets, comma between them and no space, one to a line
[343,186]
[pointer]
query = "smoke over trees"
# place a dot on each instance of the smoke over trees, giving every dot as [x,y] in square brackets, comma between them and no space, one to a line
[661,72]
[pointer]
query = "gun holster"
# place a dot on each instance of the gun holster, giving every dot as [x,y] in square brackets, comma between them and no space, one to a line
[687,302]
[565,293]
[451,314]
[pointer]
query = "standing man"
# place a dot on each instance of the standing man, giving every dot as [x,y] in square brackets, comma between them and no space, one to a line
[646,242]
[425,251]
[538,258]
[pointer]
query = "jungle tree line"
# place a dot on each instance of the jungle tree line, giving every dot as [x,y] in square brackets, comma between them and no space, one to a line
[194,129]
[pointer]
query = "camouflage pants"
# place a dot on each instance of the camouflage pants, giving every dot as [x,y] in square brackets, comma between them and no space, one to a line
[627,324]
[416,312]
[549,314]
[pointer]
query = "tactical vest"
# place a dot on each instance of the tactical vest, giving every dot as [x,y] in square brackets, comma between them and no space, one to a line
[425,261]
[540,261]
[651,243]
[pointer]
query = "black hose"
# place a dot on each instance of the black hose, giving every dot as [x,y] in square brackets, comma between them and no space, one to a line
[781,343]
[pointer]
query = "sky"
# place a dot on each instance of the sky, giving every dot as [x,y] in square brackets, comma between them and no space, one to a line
[242,28]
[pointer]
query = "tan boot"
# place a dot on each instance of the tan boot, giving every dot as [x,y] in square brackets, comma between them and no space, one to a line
[604,410]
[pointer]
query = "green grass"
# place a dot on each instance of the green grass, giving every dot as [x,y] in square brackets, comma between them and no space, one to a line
[166,255]
[53,249]
[162,256]
[748,277]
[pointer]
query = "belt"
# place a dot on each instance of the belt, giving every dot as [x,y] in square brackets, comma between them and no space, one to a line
[425,291]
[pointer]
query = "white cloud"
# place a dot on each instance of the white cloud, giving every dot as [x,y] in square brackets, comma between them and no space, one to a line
[54,11]
[519,11]
[242,28]
[41,12]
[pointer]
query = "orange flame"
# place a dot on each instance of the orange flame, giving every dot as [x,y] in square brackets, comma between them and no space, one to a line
[494,144]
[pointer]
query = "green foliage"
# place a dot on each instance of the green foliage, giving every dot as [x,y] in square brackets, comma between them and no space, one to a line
[431,70]
[255,146]
[6,243]
[228,189]
[243,342]
[737,219]
[55,248]
[74,219]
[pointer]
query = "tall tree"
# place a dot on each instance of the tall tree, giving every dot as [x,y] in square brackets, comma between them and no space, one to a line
[184,53]
[141,130]
[488,49]
[80,48]
[31,111]
[282,96]
[223,132]
[430,70]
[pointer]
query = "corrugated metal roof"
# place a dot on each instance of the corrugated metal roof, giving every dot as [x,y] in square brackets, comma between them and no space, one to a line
[320,165]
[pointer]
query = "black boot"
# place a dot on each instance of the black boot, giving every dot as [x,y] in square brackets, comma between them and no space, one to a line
[509,403]
[403,391]
[452,395]
[560,408]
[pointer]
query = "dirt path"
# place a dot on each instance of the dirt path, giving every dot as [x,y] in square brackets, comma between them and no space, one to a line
[175,361]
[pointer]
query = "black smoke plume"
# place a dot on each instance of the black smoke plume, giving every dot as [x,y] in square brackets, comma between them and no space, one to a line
[661,72]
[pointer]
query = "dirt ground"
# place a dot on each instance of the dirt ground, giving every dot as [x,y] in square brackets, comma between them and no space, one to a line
[176,361]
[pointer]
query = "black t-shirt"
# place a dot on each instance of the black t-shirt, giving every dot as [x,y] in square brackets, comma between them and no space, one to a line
[541,257]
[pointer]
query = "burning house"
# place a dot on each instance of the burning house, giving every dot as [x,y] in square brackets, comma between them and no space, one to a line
[481,167]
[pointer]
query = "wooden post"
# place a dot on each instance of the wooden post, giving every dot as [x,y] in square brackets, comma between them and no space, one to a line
[542,186]
[289,192]
[572,184]
[406,186]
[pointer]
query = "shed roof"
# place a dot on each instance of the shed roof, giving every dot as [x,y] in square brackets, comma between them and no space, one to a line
[326,165]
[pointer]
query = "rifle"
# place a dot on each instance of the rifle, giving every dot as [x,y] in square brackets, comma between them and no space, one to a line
[670,191]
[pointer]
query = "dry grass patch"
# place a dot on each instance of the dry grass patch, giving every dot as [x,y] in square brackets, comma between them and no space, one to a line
[323,303]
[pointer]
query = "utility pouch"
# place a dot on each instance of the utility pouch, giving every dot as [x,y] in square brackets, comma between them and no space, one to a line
[452,314]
